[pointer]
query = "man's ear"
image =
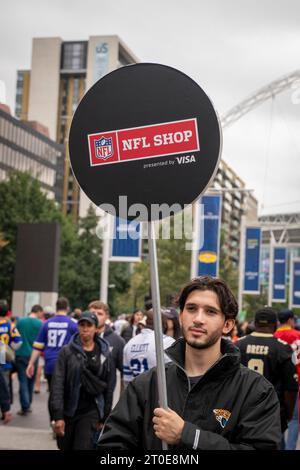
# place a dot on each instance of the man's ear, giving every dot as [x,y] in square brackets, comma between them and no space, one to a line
[180,317]
[228,325]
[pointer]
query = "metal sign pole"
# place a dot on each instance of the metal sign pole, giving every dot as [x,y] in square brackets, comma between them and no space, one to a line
[242,261]
[291,282]
[196,239]
[271,273]
[160,363]
[105,261]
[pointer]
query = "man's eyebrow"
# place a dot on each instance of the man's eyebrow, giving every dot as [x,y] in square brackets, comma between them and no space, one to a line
[210,307]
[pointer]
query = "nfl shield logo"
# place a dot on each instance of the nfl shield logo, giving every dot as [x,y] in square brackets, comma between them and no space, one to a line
[104,148]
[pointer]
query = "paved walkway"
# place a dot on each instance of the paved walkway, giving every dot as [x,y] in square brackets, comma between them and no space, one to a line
[31,432]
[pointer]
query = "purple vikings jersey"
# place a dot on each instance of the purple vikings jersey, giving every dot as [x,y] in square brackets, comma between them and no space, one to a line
[54,334]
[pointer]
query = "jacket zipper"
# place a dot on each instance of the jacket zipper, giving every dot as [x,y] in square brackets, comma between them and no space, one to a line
[188,380]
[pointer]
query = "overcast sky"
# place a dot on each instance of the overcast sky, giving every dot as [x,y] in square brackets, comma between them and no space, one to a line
[230,47]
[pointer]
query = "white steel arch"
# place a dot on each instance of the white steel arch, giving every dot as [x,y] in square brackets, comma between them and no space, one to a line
[263,94]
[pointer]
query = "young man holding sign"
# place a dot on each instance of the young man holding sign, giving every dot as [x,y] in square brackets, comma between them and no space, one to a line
[213,401]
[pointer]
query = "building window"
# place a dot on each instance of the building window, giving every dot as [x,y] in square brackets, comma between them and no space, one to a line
[74,56]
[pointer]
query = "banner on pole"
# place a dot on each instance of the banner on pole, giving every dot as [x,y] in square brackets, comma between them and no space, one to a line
[295,283]
[278,280]
[251,284]
[126,241]
[210,225]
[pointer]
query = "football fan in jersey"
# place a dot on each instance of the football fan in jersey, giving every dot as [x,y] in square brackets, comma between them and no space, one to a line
[53,335]
[271,357]
[140,353]
[287,332]
[9,335]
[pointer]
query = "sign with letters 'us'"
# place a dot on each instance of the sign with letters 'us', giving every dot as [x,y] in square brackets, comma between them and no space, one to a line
[147,133]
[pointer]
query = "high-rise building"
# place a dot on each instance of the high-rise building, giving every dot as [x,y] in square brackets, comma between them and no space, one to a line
[236,203]
[26,147]
[22,94]
[61,72]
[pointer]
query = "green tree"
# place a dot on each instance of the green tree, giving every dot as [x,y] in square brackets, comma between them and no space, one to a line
[138,286]
[21,201]
[119,298]
[80,262]
[173,260]
[252,303]
[174,265]
[227,271]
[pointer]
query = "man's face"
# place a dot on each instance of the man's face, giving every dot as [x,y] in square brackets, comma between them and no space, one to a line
[202,321]
[40,314]
[101,314]
[87,331]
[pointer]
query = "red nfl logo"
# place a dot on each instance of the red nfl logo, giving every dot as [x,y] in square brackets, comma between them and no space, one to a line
[104,148]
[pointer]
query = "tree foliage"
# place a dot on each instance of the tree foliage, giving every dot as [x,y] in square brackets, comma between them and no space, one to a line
[21,201]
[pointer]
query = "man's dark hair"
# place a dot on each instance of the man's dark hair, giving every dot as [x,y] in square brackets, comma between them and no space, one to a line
[62,304]
[148,305]
[3,307]
[226,298]
[150,321]
[285,315]
[36,308]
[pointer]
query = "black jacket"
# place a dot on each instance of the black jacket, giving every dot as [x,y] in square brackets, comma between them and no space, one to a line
[273,359]
[116,344]
[66,379]
[227,389]
[127,333]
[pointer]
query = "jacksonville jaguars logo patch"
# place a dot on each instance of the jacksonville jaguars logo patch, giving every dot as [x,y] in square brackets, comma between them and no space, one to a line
[222,416]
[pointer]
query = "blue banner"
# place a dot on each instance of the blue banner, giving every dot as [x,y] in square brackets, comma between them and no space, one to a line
[251,284]
[279,275]
[295,284]
[126,241]
[210,219]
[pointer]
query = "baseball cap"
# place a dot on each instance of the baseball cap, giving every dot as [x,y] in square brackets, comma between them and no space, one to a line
[170,313]
[90,317]
[285,315]
[265,316]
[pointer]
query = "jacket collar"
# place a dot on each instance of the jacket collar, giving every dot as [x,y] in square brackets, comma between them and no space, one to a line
[75,343]
[107,330]
[262,335]
[284,328]
[229,361]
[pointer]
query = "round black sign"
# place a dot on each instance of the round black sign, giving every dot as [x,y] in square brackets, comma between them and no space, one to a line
[144,140]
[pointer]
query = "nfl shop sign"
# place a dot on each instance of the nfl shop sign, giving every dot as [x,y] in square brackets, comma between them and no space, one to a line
[145,141]
[138,143]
